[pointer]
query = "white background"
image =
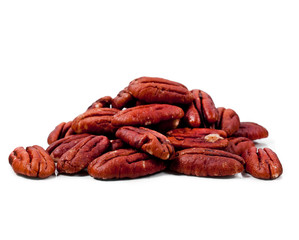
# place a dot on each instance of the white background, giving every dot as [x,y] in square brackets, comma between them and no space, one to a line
[57,57]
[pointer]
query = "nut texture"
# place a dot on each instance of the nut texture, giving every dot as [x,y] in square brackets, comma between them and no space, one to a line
[159,90]
[238,145]
[124,163]
[62,130]
[262,163]
[205,162]
[182,138]
[103,102]
[150,141]
[32,162]
[228,121]
[117,144]
[251,130]
[124,99]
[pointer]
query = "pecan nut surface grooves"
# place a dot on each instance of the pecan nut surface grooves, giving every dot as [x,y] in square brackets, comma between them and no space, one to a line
[150,141]
[79,156]
[251,130]
[33,161]
[159,90]
[103,102]
[95,121]
[202,111]
[238,145]
[262,163]
[147,115]
[228,121]
[124,99]
[182,138]
[124,163]
[62,130]
[204,162]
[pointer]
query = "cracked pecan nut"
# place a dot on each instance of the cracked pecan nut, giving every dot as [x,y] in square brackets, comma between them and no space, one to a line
[159,90]
[228,121]
[62,130]
[124,99]
[251,130]
[103,102]
[238,145]
[202,111]
[262,163]
[80,155]
[124,163]
[147,140]
[33,161]
[95,121]
[182,138]
[151,114]
[204,162]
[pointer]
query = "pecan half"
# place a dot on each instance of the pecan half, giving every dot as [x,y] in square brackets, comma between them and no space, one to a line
[159,90]
[262,163]
[95,121]
[197,138]
[117,144]
[32,162]
[124,99]
[79,156]
[147,140]
[205,162]
[238,145]
[251,130]
[103,102]
[228,121]
[124,163]
[62,130]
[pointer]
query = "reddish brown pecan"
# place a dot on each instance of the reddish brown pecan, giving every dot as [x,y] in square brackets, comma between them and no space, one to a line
[202,111]
[62,130]
[124,99]
[80,155]
[159,90]
[228,121]
[197,138]
[32,162]
[251,130]
[238,145]
[103,102]
[147,140]
[151,114]
[124,163]
[95,121]
[262,163]
[117,144]
[205,162]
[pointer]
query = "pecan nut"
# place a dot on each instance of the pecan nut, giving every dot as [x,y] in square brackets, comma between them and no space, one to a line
[159,90]
[251,130]
[228,121]
[203,162]
[62,130]
[262,163]
[124,99]
[238,145]
[124,163]
[33,161]
[197,138]
[103,102]
[150,141]
[117,144]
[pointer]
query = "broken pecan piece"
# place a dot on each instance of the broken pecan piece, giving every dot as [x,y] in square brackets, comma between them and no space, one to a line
[62,130]
[124,163]
[124,99]
[103,102]
[251,130]
[238,145]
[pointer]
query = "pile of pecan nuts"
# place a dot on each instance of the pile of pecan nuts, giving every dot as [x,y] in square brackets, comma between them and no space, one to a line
[152,125]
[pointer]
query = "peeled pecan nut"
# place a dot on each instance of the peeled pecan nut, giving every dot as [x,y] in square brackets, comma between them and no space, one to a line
[79,156]
[197,138]
[124,163]
[203,162]
[149,141]
[103,102]
[147,115]
[228,121]
[62,130]
[251,130]
[238,145]
[159,90]
[124,99]
[32,162]
[262,163]
[95,121]
[202,111]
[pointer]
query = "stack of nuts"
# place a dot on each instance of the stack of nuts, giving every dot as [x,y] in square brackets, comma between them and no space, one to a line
[152,125]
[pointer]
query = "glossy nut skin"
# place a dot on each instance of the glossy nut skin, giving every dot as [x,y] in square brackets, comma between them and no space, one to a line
[228,121]
[238,145]
[262,163]
[103,102]
[202,111]
[145,115]
[205,162]
[159,90]
[124,163]
[95,121]
[79,156]
[124,99]
[182,138]
[149,141]
[62,130]
[251,130]
[33,162]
